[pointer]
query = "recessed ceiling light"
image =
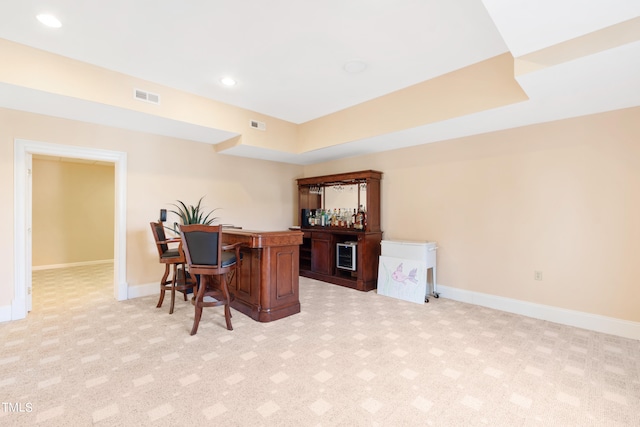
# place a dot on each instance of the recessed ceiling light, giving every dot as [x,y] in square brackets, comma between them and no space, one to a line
[355,66]
[49,20]
[227,81]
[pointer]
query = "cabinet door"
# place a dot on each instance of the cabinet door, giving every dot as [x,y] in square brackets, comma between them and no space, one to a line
[321,253]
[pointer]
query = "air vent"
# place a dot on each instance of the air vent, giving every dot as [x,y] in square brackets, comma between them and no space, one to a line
[145,96]
[258,125]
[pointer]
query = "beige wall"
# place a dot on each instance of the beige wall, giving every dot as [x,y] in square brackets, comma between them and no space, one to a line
[73,212]
[561,197]
[252,193]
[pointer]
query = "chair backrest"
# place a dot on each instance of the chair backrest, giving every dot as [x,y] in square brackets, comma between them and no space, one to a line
[202,244]
[158,234]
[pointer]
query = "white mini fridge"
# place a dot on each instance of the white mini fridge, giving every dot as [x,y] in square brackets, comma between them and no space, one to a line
[403,270]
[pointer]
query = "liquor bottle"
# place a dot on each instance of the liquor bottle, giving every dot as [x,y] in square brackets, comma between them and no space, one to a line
[354,218]
[360,218]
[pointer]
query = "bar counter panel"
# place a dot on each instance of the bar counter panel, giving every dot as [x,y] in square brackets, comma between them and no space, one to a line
[269,277]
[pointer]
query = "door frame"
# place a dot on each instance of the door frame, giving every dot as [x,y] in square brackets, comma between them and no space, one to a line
[23,152]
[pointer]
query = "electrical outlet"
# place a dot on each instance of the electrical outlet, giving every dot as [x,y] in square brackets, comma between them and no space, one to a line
[537,275]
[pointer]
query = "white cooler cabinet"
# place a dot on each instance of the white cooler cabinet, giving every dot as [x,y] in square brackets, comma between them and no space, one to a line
[418,251]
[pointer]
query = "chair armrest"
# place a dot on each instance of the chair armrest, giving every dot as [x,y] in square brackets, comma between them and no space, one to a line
[233,246]
[172,240]
[177,240]
[236,248]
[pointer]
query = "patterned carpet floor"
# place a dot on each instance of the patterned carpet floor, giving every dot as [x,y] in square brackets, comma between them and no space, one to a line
[349,358]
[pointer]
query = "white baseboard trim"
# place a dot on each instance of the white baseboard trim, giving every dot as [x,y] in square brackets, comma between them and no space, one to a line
[579,319]
[71,264]
[143,290]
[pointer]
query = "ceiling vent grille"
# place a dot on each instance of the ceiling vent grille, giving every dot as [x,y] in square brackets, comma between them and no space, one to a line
[142,95]
[258,125]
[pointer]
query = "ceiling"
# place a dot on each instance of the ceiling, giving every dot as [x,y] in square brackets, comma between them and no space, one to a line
[288,56]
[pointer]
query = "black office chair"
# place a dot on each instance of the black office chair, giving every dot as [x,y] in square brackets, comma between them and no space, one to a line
[214,263]
[171,257]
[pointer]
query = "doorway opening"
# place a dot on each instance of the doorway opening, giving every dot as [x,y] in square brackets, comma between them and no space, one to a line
[23,153]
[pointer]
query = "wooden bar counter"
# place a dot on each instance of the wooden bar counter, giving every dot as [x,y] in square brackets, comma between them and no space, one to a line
[269,278]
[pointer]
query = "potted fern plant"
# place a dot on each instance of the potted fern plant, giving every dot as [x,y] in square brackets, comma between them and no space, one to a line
[190,214]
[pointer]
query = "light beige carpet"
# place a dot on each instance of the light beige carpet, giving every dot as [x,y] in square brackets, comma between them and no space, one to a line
[348,359]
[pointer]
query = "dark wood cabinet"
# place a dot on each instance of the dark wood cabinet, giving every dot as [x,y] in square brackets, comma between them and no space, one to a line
[318,252]
[268,285]
[321,252]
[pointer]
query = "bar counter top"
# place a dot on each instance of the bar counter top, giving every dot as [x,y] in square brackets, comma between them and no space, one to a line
[262,239]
